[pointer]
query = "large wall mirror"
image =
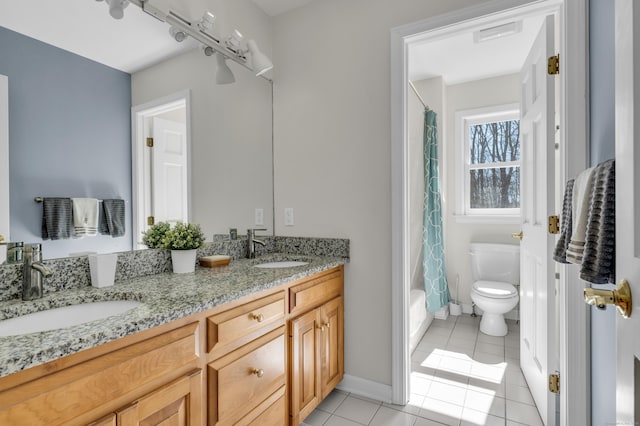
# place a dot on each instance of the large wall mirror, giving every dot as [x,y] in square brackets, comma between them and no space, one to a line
[70,116]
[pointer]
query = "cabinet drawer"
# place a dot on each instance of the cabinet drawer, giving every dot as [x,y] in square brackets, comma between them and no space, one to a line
[272,412]
[237,326]
[315,292]
[61,397]
[241,380]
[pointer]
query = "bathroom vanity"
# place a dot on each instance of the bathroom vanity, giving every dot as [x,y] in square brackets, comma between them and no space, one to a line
[233,345]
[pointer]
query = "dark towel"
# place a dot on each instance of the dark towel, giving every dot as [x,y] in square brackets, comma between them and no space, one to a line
[599,260]
[566,225]
[57,218]
[112,218]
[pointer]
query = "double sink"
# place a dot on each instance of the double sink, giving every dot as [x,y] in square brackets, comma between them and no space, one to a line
[76,314]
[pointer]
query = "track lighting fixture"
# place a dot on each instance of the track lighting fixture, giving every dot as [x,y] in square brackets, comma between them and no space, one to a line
[206,22]
[116,7]
[223,73]
[234,41]
[259,61]
[177,34]
[207,50]
[232,47]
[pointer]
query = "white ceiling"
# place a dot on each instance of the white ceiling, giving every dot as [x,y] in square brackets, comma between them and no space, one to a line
[85,27]
[458,58]
[137,41]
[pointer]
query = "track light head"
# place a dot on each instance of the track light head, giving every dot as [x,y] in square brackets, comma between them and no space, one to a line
[259,61]
[206,22]
[177,34]
[207,50]
[116,8]
[223,73]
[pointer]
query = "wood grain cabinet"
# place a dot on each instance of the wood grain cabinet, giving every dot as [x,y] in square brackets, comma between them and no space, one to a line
[265,360]
[316,344]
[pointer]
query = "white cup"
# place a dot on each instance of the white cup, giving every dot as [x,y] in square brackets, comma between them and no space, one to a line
[103,269]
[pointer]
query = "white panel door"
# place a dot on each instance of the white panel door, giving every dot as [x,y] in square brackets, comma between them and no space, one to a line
[537,302]
[628,207]
[4,163]
[169,182]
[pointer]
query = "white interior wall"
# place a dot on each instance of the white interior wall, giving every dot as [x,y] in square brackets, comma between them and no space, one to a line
[333,150]
[458,236]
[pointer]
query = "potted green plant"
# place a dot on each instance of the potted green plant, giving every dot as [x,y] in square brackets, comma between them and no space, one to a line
[183,239]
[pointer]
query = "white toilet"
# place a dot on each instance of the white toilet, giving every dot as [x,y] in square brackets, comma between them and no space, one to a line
[495,269]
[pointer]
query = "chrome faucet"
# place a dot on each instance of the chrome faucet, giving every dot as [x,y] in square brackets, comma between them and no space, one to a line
[251,242]
[33,272]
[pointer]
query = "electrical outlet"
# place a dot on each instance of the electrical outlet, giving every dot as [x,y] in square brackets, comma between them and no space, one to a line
[288,216]
[259,219]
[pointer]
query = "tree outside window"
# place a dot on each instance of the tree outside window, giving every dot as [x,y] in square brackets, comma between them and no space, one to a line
[494,165]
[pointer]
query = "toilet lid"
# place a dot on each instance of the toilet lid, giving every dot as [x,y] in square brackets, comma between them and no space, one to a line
[495,289]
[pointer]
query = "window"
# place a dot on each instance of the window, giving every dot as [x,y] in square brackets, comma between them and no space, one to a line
[488,171]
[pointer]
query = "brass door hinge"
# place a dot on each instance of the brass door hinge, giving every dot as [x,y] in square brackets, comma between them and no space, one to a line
[151,220]
[554,383]
[553,65]
[554,225]
[150,142]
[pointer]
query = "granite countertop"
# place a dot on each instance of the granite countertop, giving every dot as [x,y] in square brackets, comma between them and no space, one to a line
[165,297]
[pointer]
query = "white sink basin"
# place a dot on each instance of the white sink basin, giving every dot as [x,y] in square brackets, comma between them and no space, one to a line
[67,316]
[282,264]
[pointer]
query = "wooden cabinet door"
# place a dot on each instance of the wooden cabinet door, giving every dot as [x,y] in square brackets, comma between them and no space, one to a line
[305,365]
[331,344]
[108,420]
[177,404]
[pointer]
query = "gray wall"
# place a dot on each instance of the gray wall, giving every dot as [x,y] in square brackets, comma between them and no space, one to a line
[601,69]
[69,136]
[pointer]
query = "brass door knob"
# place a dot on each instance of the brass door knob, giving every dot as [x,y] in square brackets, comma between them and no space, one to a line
[519,235]
[1,238]
[621,297]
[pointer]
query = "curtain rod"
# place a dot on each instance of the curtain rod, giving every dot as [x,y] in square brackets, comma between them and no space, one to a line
[418,95]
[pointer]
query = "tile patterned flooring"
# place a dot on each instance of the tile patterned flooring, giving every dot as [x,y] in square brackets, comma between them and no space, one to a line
[459,377]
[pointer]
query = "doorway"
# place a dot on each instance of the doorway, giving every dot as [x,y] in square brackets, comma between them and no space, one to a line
[571,122]
[161,163]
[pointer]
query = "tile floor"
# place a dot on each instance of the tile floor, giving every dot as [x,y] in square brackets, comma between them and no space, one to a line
[459,377]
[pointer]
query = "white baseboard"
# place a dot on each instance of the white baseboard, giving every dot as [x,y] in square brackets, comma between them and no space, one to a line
[366,388]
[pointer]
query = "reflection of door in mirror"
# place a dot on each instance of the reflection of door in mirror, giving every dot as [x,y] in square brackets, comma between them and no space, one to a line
[169,191]
[4,163]
[161,163]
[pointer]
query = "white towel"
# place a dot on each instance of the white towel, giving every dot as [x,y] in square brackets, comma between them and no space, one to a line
[85,217]
[582,189]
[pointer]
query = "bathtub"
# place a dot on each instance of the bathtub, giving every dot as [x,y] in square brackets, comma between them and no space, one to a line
[419,318]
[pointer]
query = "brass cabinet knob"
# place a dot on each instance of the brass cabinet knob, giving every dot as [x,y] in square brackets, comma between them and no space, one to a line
[324,326]
[259,372]
[258,317]
[519,235]
[621,297]
[1,238]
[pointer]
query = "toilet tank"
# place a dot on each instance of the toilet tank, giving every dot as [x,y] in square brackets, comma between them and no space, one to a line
[495,262]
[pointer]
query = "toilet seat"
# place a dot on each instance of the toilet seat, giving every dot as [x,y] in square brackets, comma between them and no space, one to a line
[494,289]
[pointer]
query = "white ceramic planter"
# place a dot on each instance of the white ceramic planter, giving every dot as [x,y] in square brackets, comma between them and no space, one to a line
[184,261]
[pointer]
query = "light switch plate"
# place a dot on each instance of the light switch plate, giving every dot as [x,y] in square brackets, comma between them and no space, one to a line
[259,217]
[288,216]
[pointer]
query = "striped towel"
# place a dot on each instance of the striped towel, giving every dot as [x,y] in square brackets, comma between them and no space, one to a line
[560,252]
[582,188]
[57,222]
[85,217]
[599,259]
[112,218]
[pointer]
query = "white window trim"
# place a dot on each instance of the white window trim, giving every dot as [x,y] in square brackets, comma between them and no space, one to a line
[463,119]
